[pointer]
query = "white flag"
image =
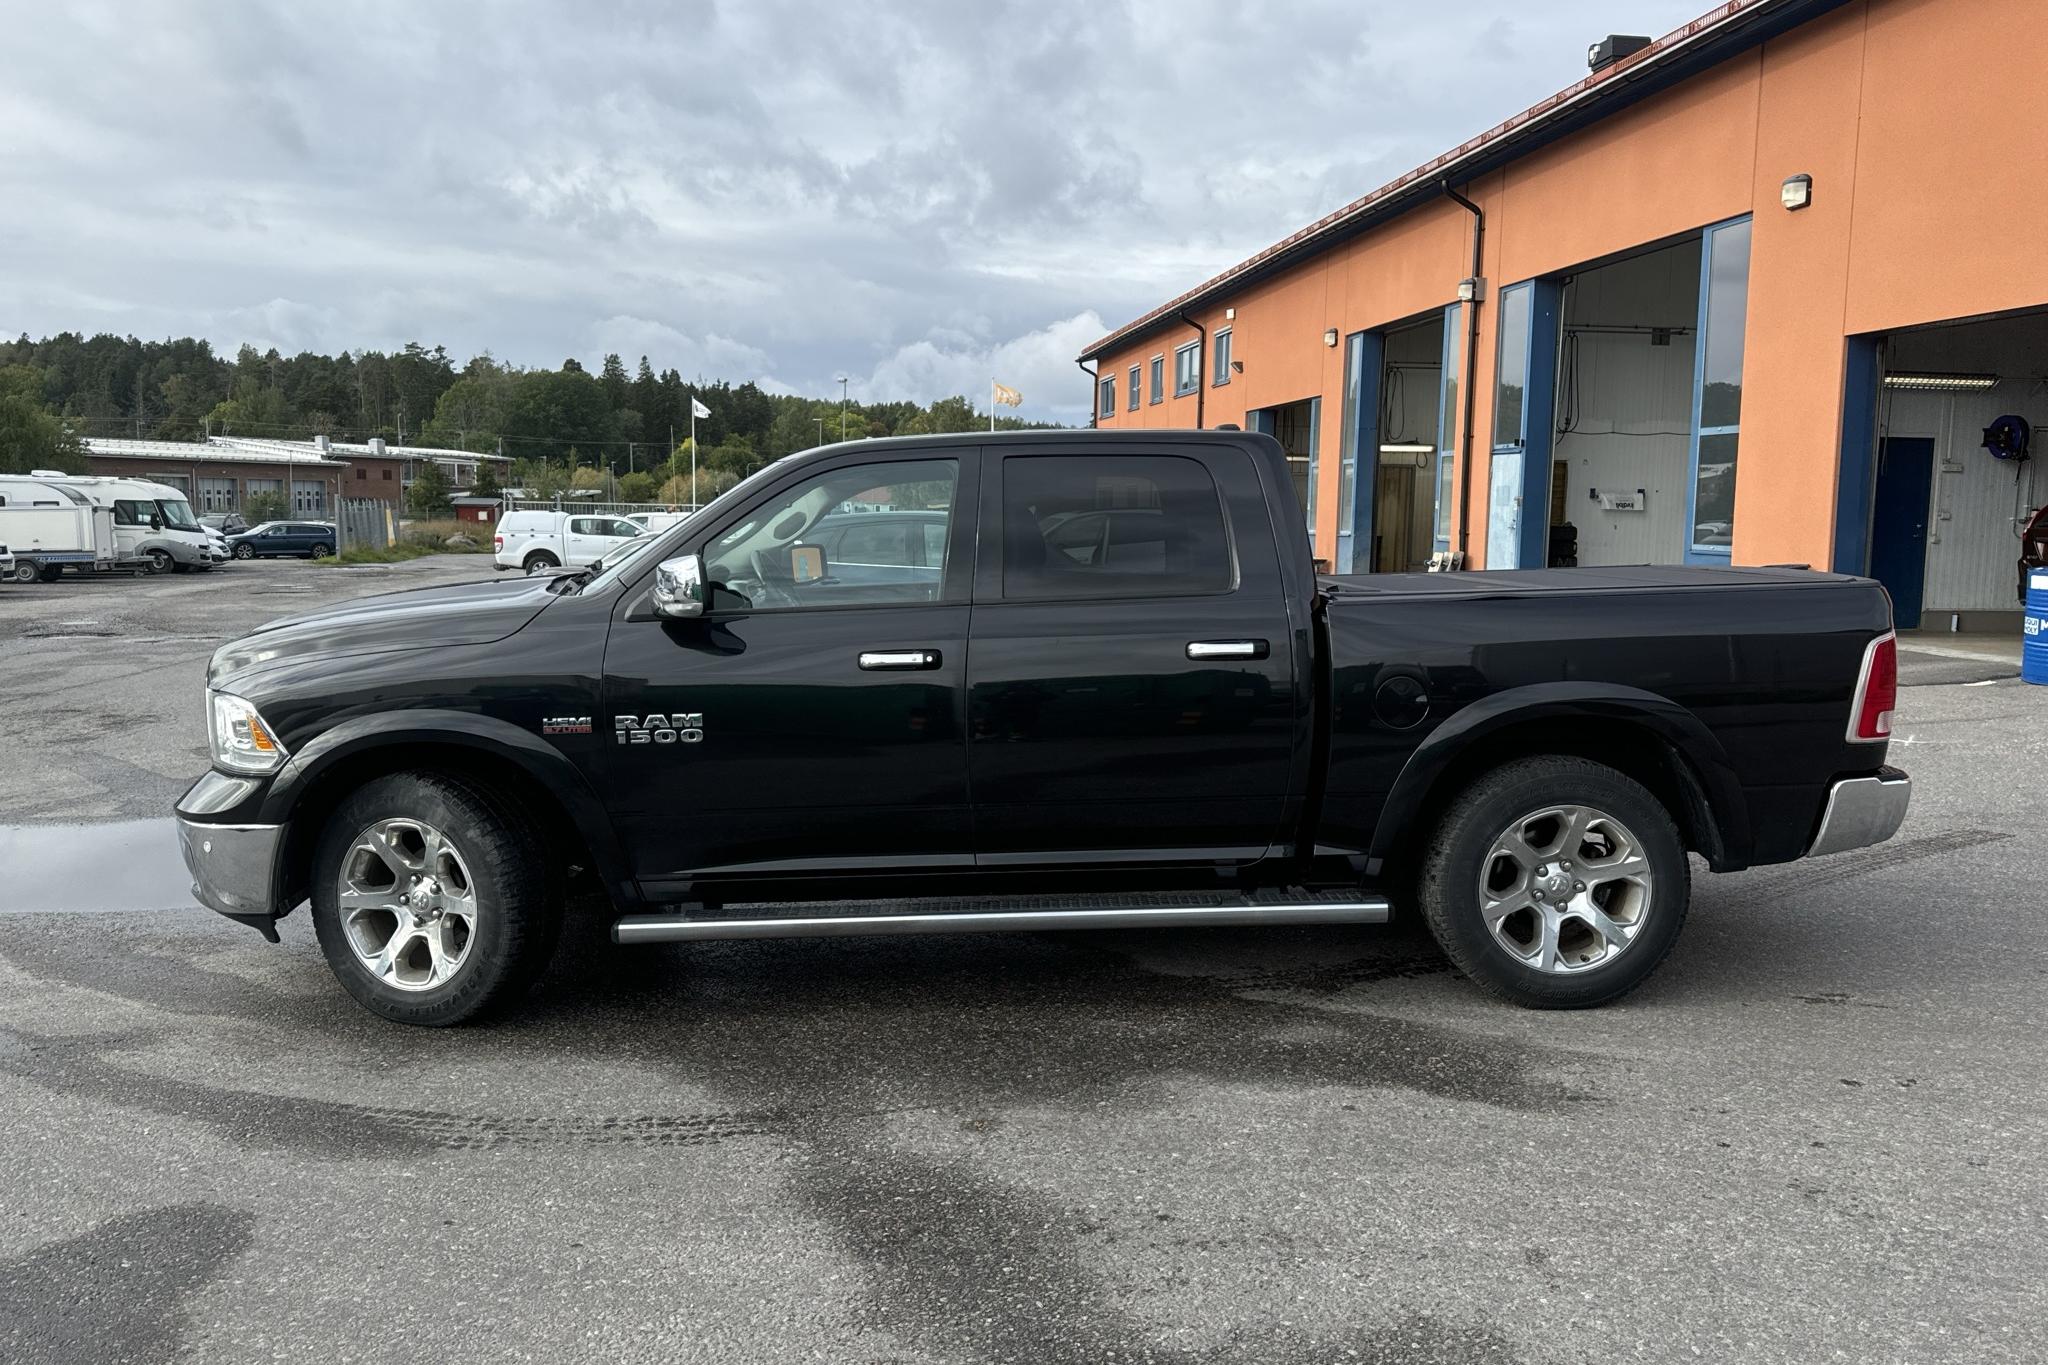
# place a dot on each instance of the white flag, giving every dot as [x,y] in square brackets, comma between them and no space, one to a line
[698,410]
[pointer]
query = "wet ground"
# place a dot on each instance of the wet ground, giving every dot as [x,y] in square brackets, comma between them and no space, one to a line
[1817,1134]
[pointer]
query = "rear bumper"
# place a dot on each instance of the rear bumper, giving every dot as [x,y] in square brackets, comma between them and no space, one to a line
[233,867]
[1862,811]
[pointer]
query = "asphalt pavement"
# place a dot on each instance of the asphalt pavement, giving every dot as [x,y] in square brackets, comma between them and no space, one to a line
[1816,1134]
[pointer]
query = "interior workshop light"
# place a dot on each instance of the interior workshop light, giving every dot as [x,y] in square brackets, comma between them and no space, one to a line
[1938,383]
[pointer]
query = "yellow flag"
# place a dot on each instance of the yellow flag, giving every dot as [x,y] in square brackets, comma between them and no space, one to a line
[1007,396]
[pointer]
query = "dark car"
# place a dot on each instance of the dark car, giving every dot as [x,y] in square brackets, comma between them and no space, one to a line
[272,539]
[227,523]
[1093,682]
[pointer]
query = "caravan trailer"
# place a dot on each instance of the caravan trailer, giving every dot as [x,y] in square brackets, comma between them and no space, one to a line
[152,521]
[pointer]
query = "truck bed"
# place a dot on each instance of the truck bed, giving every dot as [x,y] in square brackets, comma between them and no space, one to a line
[1525,582]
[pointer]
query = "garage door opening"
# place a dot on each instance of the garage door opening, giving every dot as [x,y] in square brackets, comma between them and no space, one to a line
[1950,490]
[1404,507]
[1621,459]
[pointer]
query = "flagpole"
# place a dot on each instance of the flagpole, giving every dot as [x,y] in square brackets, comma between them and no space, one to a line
[991,405]
[693,452]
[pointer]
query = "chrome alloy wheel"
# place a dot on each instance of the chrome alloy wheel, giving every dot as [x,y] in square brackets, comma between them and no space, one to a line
[407,904]
[1565,889]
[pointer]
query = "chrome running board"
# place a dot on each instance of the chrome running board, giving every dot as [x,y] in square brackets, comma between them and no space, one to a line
[1019,914]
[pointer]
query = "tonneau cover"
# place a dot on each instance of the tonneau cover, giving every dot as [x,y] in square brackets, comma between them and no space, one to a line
[1521,582]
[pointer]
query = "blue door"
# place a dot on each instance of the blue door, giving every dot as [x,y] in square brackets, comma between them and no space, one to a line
[1898,523]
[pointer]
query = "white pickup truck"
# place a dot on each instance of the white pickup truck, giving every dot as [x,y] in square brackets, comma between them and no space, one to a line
[541,542]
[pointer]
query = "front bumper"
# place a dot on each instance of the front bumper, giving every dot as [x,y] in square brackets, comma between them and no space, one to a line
[1862,811]
[234,867]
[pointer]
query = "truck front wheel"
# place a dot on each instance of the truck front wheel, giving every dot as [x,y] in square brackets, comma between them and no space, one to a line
[432,899]
[1556,882]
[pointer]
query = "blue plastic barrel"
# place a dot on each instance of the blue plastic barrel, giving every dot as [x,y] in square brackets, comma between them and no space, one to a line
[2034,641]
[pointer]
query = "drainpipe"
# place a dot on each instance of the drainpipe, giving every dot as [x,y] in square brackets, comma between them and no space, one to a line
[1202,359]
[1471,364]
[1094,395]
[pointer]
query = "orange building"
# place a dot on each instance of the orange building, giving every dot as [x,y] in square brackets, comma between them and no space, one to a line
[1752,293]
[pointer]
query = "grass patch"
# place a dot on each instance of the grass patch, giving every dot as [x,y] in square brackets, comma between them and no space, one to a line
[418,538]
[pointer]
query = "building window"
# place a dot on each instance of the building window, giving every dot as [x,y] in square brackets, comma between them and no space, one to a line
[1717,396]
[1108,405]
[362,474]
[1158,378]
[1511,369]
[309,497]
[1220,371]
[1187,369]
[1131,400]
[216,495]
[1449,415]
[387,474]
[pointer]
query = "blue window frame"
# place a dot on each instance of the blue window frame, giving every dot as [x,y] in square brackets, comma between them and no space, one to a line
[1358,449]
[1187,369]
[1108,404]
[1159,379]
[1524,397]
[1131,401]
[1717,391]
[1450,413]
[1220,367]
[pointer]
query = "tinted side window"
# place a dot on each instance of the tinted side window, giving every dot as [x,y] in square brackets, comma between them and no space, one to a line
[1132,526]
[585,526]
[770,557]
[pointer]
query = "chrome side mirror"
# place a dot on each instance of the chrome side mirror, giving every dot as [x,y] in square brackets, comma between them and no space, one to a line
[679,588]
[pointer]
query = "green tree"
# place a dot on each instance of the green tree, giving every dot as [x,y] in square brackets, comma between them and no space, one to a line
[467,415]
[427,499]
[485,484]
[548,412]
[31,436]
[539,478]
[258,508]
[587,479]
[638,486]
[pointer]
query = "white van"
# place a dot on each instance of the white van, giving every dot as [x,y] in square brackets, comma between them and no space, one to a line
[540,542]
[152,521]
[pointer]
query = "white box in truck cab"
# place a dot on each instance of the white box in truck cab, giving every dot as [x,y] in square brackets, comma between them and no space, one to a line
[537,542]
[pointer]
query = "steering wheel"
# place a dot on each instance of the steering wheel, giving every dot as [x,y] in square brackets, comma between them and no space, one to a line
[772,592]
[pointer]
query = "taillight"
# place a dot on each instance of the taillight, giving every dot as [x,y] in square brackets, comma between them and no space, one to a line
[1877,691]
[497,542]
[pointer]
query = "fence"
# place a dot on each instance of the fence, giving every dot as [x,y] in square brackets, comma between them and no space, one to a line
[363,523]
[592,505]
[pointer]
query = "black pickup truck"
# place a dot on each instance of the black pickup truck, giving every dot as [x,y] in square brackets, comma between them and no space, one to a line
[1041,681]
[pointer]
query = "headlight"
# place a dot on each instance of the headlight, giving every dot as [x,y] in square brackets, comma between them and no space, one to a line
[241,741]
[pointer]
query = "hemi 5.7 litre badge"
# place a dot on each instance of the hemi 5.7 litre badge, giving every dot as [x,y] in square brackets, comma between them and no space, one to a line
[684,727]
[565,725]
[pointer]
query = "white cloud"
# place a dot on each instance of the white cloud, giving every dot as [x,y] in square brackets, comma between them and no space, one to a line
[782,189]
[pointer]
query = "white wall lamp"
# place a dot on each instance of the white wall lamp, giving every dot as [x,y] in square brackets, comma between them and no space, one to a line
[1796,192]
[1329,336]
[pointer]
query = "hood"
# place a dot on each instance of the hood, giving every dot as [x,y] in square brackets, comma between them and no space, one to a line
[461,614]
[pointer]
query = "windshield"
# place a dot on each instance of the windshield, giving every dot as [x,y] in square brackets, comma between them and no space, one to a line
[177,513]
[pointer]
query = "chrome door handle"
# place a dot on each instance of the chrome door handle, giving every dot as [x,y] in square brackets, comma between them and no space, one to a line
[1227,649]
[875,660]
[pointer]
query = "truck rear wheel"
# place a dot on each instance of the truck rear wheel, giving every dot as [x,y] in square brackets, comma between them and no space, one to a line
[1556,882]
[540,562]
[432,899]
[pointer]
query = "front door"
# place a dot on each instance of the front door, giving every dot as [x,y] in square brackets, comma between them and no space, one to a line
[808,721]
[1132,687]
[1898,527]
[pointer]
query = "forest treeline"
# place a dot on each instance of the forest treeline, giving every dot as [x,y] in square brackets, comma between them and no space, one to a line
[616,420]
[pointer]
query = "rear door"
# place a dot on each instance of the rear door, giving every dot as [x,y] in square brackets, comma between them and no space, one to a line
[1133,690]
[808,722]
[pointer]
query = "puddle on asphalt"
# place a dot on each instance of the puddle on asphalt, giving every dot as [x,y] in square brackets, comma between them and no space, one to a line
[122,865]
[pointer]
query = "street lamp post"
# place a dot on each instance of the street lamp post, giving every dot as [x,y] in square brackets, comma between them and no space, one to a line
[821,429]
[842,407]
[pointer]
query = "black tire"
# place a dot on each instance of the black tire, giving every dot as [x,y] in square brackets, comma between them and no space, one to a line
[1449,885]
[245,552]
[50,573]
[541,562]
[26,571]
[322,551]
[518,895]
[160,561]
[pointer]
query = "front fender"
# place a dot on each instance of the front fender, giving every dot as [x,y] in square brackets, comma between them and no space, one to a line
[1705,762]
[546,764]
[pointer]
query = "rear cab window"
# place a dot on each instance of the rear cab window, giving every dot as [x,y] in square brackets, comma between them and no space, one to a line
[1124,526]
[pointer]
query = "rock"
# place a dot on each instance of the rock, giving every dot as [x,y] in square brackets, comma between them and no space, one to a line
[460,541]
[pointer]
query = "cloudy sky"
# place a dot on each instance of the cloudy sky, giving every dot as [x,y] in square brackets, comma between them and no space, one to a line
[915,195]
